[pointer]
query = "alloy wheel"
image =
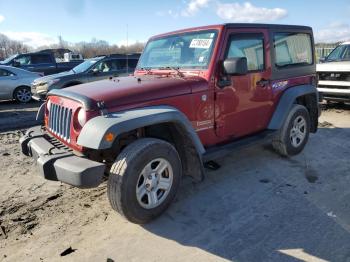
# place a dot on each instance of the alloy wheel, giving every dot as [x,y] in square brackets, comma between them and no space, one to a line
[154,183]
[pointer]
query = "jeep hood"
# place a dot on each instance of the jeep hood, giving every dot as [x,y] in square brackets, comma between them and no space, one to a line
[131,90]
[341,66]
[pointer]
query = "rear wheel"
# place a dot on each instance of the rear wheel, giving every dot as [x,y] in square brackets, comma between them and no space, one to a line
[144,179]
[293,136]
[22,94]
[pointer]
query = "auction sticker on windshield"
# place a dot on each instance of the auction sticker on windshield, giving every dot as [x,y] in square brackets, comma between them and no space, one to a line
[201,43]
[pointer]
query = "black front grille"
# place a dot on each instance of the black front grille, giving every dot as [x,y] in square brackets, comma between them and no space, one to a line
[60,118]
[334,76]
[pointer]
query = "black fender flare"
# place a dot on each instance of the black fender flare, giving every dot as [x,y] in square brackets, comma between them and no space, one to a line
[286,102]
[94,131]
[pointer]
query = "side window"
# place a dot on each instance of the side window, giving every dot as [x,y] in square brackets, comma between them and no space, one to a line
[122,64]
[105,66]
[24,60]
[41,59]
[346,55]
[112,65]
[250,46]
[98,67]
[132,63]
[292,49]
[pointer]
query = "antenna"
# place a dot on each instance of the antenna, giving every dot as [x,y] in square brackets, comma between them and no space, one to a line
[126,53]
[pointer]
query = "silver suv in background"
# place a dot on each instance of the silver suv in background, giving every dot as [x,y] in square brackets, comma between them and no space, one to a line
[334,74]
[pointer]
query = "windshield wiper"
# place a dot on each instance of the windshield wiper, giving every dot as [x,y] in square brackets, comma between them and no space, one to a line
[177,69]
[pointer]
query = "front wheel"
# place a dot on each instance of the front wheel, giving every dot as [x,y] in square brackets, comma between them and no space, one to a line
[144,179]
[22,94]
[294,134]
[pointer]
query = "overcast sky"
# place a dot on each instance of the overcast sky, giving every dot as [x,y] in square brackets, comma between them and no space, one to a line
[39,22]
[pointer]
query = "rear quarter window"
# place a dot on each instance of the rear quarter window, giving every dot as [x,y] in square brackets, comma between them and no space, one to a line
[132,63]
[292,49]
[41,59]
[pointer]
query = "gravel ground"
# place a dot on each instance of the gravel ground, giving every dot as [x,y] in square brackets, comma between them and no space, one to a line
[256,207]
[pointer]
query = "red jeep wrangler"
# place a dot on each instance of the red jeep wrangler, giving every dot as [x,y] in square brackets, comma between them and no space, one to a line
[195,94]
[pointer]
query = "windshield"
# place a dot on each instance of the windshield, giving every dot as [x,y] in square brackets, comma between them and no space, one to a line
[341,52]
[8,59]
[188,50]
[85,65]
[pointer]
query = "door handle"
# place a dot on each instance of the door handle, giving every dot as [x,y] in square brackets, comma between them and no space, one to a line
[263,82]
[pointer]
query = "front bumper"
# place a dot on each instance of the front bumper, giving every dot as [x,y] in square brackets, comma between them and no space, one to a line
[336,90]
[60,164]
[39,98]
[39,92]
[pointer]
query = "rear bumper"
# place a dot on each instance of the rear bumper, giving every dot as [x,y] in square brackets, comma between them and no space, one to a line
[60,164]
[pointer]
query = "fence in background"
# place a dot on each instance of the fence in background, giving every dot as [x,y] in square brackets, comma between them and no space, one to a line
[323,52]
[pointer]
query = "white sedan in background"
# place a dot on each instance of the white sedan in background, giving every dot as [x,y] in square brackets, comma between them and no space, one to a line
[15,83]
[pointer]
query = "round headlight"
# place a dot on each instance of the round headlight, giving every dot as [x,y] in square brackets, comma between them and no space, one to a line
[81,117]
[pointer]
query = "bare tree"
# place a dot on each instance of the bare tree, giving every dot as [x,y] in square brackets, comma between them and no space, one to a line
[62,43]
[100,47]
[9,47]
[93,48]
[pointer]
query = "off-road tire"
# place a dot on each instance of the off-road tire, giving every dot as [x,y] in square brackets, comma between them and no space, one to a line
[282,141]
[21,94]
[124,175]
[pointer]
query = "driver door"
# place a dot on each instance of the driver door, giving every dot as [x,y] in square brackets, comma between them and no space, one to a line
[243,103]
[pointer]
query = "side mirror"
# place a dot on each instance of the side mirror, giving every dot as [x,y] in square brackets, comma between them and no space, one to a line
[236,66]
[322,59]
[16,64]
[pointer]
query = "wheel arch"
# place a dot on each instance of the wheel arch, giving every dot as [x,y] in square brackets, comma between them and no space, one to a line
[176,134]
[306,95]
[14,90]
[162,122]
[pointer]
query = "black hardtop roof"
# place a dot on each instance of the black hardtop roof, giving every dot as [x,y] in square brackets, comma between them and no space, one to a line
[36,53]
[268,26]
[133,55]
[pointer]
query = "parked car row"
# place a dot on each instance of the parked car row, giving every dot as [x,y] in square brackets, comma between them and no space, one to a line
[90,70]
[22,85]
[42,62]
